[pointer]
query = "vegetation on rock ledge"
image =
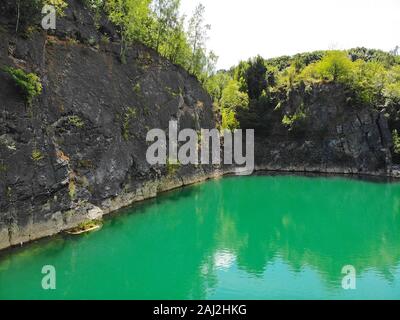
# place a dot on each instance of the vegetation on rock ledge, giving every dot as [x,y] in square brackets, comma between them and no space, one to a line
[29,83]
[249,93]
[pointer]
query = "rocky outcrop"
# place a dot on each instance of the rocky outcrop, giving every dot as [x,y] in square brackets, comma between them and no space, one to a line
[78,152]
[331,134]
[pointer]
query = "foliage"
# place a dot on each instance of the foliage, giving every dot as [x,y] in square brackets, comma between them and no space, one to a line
[197,36]
[167,17]
[28,12]
[128,117]
[232,99]
[396,142]
[37,155]
[334,66]
[216,83]
[158,24]
[172,168]
[71,189]
[229,119]
[372,55]
[287,77]
[391,91]
[76,121]
[255,77]
[176,47]
[289,121]
[371,78]
[59,5]
[131,18]
[29,83]
[87,225]
[3,168]
[155,23]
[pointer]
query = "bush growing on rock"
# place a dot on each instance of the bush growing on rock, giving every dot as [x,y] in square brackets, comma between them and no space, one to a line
[29,83]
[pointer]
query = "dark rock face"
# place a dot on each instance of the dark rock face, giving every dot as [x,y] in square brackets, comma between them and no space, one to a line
[78,151]
[335,136]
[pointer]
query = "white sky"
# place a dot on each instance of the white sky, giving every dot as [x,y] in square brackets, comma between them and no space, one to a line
[244,28]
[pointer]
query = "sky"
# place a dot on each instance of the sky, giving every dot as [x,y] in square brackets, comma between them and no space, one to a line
[241,29]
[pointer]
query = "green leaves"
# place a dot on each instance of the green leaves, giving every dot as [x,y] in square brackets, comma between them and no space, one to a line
[131,17]
[157,24]
[59,5]
[231,101]
[334,66]
[396,142]
[29,83]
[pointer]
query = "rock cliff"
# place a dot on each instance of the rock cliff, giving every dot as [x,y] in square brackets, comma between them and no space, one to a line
[78,151]
[330,134]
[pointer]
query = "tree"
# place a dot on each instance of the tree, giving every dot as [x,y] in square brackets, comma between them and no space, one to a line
[335,66]
[232,100]
[239,75]
[167,16]
[211,62]
[131,17]
[216,83]
[176,46]
[369,79]
[59,5]
[197,36]
[256,77]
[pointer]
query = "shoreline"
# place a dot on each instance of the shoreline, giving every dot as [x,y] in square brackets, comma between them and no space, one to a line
[124,201]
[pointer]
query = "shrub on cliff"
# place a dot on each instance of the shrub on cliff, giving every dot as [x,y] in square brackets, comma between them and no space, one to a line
[29,83]
[335,66]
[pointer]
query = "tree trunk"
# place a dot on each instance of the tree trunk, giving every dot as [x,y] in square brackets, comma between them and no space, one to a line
[18,16]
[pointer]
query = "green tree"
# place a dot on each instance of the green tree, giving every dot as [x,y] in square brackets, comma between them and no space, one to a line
[256,77]
[167,16]
[239,74]
[216,83]
[232,100]
[335,66]
[131,17]
[176,47]
[369,79]
[197,36]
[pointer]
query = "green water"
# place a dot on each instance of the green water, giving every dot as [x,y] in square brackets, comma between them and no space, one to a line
[236,238]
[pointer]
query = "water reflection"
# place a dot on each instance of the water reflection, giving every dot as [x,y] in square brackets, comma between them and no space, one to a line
[250,237]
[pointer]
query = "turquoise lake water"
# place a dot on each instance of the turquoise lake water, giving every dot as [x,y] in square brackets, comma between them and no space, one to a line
[260,237]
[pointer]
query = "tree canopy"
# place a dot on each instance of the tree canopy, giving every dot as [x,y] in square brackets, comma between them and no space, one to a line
[157,24]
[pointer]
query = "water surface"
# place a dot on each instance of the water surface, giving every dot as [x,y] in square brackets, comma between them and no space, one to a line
[256,237]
